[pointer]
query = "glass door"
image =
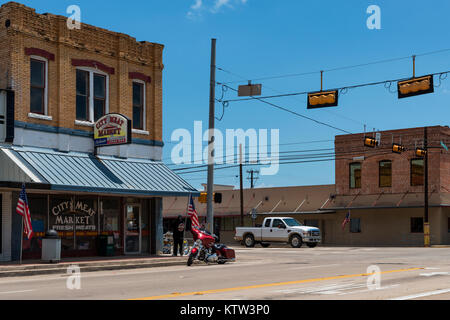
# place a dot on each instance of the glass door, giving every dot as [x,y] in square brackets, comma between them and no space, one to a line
[132,229]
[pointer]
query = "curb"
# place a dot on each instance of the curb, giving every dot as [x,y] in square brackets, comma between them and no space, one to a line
[62,269]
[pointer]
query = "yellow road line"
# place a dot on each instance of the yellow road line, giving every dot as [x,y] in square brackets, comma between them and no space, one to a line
[178,294]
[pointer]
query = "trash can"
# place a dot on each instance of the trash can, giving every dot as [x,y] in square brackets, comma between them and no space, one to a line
[51,247]
[105,245]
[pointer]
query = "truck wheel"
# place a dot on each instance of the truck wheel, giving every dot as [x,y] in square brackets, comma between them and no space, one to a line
[311,244]
[249,241]
[296,241]
[265,244]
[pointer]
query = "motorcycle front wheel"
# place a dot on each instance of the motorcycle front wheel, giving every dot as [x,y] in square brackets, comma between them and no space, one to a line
[190,259]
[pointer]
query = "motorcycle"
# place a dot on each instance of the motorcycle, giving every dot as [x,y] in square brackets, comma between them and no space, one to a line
[207,249]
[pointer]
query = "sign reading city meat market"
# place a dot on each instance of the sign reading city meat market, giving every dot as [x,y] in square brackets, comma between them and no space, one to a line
[70,215]
[112,129]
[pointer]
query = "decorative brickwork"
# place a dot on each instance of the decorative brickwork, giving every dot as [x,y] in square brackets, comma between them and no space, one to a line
[92,64]
[139,76]
[39,52]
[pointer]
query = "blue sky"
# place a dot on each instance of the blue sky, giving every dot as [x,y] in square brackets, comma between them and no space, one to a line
[259,38]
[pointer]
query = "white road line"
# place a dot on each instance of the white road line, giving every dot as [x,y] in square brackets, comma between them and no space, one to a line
[435,274]
[421,295]
[370,290]
[21,291]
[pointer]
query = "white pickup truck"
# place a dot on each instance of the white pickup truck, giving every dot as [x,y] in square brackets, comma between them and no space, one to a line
[279,229]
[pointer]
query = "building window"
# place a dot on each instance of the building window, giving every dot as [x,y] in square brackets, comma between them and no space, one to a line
[99,96]
[355,175]
[82,95]
[417,172]
[448,225]
[416,225]
[38,85]
[385,173]
[91,107]
[355,225]
[138,105]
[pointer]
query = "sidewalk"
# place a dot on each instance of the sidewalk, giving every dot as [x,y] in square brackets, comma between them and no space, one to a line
[89,264]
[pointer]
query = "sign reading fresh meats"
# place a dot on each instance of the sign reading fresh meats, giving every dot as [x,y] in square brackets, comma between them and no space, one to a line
[112,129]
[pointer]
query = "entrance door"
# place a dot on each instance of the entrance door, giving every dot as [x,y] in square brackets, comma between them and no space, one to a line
[132,229]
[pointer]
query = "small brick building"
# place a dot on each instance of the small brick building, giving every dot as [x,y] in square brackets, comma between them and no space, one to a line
[56,82]
[384,191]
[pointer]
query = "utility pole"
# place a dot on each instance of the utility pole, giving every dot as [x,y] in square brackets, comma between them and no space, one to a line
[252,178]
[242,183]
[212,97]
[426,224]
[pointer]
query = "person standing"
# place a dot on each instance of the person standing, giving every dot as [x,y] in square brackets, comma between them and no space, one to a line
[178,236]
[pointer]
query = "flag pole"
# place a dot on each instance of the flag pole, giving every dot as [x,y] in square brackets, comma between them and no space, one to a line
[21,241]
[185,218]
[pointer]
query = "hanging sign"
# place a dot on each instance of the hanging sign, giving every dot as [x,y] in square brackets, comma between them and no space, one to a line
[112,129]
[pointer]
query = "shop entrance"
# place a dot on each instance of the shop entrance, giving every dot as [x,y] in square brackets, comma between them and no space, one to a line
[132,232]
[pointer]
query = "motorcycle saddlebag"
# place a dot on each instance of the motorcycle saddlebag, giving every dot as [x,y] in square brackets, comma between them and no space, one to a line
[228,253]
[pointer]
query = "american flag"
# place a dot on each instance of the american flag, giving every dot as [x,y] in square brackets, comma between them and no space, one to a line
[192,213]
[346,220]
[24,211]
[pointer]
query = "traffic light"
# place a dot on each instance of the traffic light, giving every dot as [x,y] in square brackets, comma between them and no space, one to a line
[217,197]
[415,86]
[370,142]
[397,148]
[322,99]
[203,197]
[421,153]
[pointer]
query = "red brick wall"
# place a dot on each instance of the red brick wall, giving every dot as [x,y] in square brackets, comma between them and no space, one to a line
[349,146]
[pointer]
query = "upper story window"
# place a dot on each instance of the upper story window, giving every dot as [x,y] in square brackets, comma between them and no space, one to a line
[355,175]
[385,173]
[38,85]
[138,105]
[417,172]
[91,95]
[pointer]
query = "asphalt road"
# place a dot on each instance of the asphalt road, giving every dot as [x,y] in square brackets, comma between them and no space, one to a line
[281,273]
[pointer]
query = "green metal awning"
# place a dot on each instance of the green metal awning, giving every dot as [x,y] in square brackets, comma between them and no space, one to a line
[83,172]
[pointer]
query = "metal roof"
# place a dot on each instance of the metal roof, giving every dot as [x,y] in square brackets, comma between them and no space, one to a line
[83,172]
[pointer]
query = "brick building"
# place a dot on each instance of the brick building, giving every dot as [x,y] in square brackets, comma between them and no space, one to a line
[56,82]
[384,191]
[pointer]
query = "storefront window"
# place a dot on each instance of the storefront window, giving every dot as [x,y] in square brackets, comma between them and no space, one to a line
[75,219]
[86,224]
[38,210]
[110,219]
[132,227]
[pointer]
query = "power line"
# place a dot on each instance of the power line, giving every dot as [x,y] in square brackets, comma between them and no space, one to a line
[387,83]
[332,69]
[293,112]
[259,146]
